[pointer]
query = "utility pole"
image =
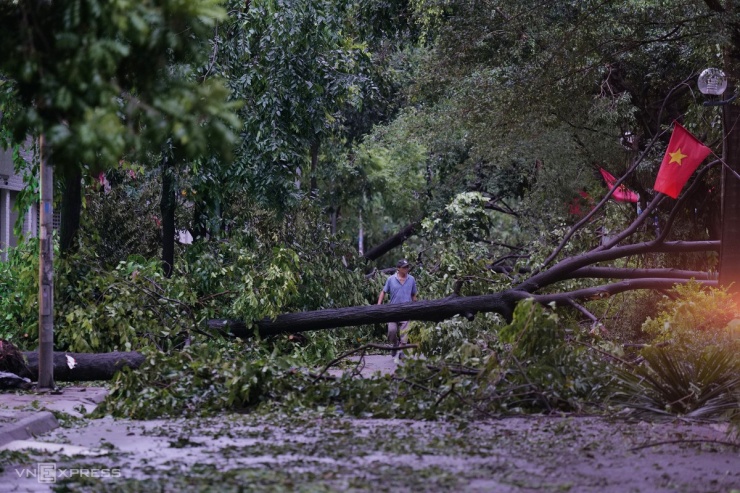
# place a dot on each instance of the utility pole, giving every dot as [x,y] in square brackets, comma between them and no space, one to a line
[729,257]
[46,273]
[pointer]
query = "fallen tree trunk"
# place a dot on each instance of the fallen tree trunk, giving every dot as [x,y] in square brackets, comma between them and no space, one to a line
[429,311]
[83,367]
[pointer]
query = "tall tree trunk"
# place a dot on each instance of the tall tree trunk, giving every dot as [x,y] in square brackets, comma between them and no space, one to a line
[314,167]
[71,209]
[361,237]
[167,209]
[333,218]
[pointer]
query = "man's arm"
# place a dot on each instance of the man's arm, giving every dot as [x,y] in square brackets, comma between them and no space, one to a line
[380,298]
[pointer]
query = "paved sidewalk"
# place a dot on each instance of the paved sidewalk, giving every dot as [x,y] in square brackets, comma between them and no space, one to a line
[371,366]
[24,415]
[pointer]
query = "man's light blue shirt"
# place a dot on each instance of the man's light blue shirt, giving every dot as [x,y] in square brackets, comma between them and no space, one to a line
[400,293]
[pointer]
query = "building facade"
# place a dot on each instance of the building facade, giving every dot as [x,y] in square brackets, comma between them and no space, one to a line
[10,186]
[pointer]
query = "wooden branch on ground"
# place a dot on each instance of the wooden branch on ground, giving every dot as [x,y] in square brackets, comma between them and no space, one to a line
[83,367]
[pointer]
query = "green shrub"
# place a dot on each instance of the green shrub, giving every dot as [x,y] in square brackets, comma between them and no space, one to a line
[540,363]
[697,383]
[129,306]
[691,367]
[692,313]
[19,292]
[199,380]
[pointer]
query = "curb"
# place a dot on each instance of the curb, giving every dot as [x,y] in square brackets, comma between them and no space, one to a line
[28,427]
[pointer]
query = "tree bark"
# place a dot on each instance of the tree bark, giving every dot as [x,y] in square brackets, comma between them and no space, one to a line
[430,311]
[729,257]
[71,209]
[392,242]
[502,303]
[167,209]
[314,151]
[87,366]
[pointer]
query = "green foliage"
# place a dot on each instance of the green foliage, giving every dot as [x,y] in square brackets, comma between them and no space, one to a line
[459,246]
[200,379]
[697,384]
[286,268]
[534,331]
[128,306]
[692,313]
[456,338]
[520,376]
[122,219]
[267,288]
[100,81]
[691,368]
[543,365]
[19,288]
[623,315]
[295,65]
[500,134]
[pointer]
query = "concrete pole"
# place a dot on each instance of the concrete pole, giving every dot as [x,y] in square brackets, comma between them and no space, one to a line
[46,274]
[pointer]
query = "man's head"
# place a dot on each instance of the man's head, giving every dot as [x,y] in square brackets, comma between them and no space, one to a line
[403,264]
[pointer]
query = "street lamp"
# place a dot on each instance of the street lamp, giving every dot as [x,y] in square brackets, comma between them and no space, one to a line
[713,82]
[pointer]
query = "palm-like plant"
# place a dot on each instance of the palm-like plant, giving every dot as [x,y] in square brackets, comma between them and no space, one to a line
[686,381]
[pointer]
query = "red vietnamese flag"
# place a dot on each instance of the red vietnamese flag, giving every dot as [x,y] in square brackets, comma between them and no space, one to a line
[621,194]
[684,154]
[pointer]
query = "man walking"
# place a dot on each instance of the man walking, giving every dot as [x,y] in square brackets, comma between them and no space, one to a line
[401,288]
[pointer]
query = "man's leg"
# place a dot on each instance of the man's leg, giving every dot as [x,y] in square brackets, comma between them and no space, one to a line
[403,335]
[393,335]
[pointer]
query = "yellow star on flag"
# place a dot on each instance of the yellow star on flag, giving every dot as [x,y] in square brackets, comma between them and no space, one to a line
[676,157]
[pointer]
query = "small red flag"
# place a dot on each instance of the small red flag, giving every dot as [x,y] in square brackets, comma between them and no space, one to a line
[684,154]
[621,194]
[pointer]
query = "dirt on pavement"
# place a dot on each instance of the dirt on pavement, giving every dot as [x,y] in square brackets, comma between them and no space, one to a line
[314,453]
[250,453]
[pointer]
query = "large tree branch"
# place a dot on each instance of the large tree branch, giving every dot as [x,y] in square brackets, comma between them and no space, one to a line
[607,290]
[654,205]
[430,311]
[392,242]
[569,265]
[593,272]
[617,184]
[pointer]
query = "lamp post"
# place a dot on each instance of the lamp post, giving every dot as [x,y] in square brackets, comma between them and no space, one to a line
[46,274]
[714,82]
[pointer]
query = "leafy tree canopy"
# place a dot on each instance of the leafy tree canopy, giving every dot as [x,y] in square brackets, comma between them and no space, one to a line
[104,79]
